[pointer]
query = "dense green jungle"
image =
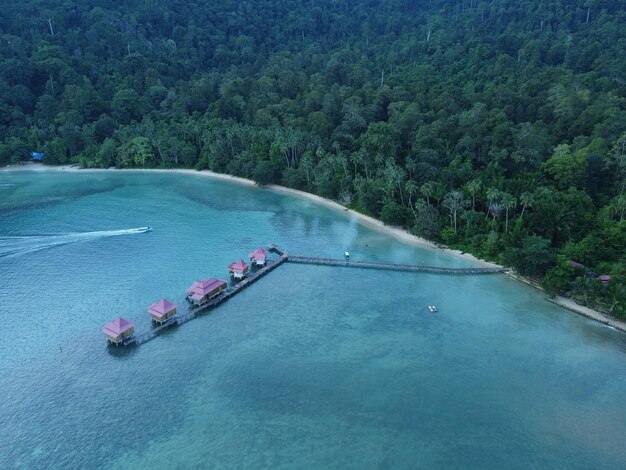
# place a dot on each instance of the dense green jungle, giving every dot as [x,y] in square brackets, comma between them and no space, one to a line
[496,127]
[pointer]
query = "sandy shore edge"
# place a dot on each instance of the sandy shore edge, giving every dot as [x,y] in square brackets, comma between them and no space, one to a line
[395,232]
[571,305]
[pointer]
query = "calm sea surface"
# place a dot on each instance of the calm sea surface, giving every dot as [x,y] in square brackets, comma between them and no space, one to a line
[312,367]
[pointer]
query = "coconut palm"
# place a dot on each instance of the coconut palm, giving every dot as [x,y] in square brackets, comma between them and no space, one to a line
[508,202]
[410,187]
[495,208]
[527,200]
[427,190]
[493,196]
[473,187]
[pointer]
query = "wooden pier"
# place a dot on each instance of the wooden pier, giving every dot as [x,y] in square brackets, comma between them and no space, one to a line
[223,296]
[283,257]
[391,266]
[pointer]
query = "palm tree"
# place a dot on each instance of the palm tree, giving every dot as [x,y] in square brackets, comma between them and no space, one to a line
[493,195]
[473,187]
[410,166]
[527,200]
[495,208]
[427,190]
[341,161]
[379,159]
[439,192]
[356,158]
[509,202]
[411,188]
[394,176]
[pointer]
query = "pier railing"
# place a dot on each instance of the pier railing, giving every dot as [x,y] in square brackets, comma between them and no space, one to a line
[391,266]
[223,296]
[283,257]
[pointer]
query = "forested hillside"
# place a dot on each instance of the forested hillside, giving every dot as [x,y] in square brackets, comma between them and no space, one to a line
[498,127]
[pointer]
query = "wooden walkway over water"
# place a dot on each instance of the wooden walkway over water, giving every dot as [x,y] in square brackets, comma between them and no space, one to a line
[391,266]
[223,296]
[283,257]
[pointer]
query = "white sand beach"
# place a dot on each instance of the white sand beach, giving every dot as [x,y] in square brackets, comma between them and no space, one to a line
[395,232]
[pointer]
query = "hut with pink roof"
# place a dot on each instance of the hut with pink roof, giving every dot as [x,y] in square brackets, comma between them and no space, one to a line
[238,269]
[162,310]
[119,330]
[258,257]
[604,278]
[201,291]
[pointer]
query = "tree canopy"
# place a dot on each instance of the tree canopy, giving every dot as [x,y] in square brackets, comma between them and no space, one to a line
[496,126]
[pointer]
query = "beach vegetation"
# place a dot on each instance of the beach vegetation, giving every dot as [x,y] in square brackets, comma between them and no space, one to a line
[496,126]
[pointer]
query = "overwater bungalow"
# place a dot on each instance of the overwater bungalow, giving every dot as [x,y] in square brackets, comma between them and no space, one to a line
[238,269]
[258,257]
[162,310]
[201,291]
[119,330]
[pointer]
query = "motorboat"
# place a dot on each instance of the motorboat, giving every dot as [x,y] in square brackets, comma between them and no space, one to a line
[140,230]
[346,255]
[432,308]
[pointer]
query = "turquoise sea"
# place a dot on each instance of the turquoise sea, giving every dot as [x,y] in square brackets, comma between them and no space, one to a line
[311,367]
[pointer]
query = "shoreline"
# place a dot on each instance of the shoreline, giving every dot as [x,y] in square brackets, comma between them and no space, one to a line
[398,233]
[395,232]
[573,306]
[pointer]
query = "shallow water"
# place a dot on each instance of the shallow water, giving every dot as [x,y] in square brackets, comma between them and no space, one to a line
[311,367]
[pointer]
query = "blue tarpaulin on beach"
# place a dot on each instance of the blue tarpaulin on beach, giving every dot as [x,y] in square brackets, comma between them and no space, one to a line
[37,156]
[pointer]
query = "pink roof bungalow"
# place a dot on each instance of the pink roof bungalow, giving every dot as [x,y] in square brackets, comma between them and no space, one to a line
[258,256]
[238,269]
[604,278]
[162,310]
[203,290]
[116,331]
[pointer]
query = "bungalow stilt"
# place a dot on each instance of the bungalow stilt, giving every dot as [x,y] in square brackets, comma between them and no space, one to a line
[119,331]
[239,269]
[202,291]
[162,310]
[258,257]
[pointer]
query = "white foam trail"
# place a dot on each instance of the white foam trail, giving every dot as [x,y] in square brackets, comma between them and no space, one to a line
[17,246]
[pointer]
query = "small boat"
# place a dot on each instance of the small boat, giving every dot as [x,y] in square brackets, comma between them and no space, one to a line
[432,308]
[140,229]
[347,255]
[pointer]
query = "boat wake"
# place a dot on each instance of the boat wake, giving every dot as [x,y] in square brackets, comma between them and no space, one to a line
[18,246]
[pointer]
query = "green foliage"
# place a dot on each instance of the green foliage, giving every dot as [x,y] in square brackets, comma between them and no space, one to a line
[560,277]
[533,258]
[566,169]
[448,235]
[107,154]
[265,173]
[393,213]
[136,152]
[495,126]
